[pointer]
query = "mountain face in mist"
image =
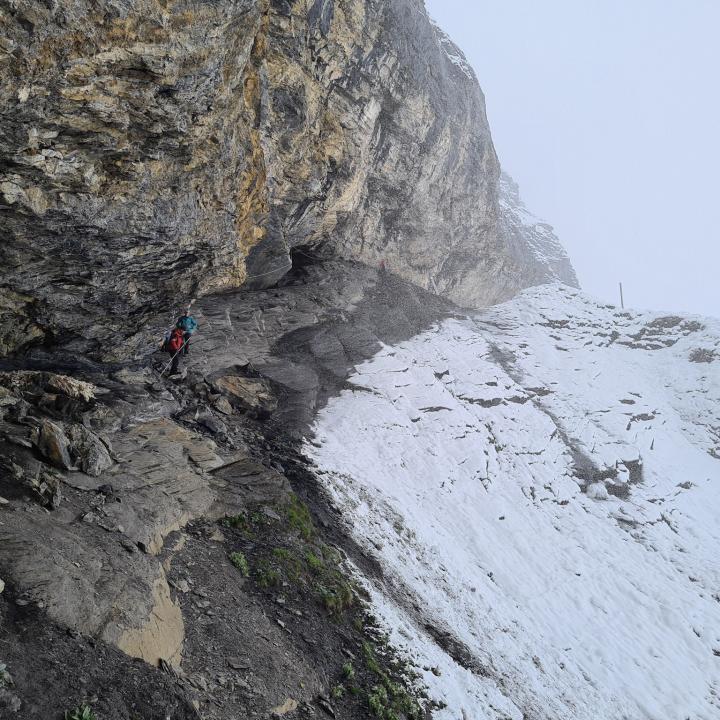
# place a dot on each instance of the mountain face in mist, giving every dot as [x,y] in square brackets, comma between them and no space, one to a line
[371,494]
[533,242]
[154,151]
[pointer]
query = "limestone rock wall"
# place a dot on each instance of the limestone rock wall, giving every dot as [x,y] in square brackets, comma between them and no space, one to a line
[155,150]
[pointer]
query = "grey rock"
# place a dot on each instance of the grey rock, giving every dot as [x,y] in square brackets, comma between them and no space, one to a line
[54,445]
[247,483]
[164,153]
[90,452]
[211,423]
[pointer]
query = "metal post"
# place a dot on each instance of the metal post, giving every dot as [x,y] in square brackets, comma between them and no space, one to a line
[622,297]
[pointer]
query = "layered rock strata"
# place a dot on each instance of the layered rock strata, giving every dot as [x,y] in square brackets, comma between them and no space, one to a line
[152,151]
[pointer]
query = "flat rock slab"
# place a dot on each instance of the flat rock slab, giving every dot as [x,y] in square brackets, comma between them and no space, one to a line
[85,581]
[161,481]
[247,483]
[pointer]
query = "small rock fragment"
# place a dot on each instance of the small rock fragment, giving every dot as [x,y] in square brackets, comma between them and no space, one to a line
[288,706]
[215,426]
[217,537]
[324,703]
[239,663]
[182,586]
[129,546]
[222,405]
[54,445]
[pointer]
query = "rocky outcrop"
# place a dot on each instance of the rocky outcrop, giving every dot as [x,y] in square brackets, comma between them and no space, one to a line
[154,151]
[200,545]
[120,477]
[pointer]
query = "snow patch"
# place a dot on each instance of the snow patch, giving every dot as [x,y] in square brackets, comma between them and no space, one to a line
[453,52]
[541,484]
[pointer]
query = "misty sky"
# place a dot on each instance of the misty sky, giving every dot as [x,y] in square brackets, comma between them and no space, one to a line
[607,112]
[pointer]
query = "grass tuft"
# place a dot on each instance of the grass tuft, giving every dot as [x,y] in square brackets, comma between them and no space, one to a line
[239,560]
[299,519]
[84,712]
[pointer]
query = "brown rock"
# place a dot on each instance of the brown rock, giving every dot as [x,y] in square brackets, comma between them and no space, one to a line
[54,445]
[249,393]
[287,707]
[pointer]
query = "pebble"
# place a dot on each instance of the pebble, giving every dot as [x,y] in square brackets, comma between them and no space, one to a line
[182,586]
[239,663]
[2,586]
[129,546]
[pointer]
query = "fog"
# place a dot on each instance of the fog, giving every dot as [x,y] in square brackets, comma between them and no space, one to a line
[607,113]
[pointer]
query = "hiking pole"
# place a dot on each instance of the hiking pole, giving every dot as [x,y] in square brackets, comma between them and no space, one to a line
[172,359]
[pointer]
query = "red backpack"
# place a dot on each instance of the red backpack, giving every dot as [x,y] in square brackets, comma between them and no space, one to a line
[176,341]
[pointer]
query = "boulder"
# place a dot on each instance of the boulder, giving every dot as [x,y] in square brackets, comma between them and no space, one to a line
[37,381]
[54,445]
[250,394]
[91,453]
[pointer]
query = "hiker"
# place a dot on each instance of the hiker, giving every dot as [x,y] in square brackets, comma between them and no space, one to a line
[187,323]
[177,343]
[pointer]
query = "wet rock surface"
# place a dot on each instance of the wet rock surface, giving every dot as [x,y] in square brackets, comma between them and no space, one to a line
[115,479]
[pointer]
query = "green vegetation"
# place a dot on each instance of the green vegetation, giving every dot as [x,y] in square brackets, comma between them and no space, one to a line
[390,699]
[239,560]
[5,677]
[378,700]
[285,552]
[303,561]
[84,712]
[337,596]
[238,522]
[314,562]
[299,519]
[266,575]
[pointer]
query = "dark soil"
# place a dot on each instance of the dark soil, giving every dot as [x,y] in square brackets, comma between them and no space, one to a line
[53,672]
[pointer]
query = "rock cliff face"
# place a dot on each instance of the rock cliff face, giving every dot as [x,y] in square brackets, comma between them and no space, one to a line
[151,151]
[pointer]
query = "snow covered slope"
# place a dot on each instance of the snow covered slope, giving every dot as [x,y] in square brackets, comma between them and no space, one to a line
[541,483]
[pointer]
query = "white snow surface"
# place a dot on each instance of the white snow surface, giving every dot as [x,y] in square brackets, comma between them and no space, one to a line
[541,485]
